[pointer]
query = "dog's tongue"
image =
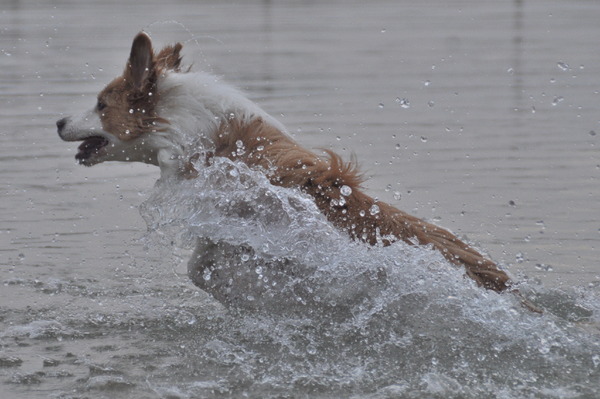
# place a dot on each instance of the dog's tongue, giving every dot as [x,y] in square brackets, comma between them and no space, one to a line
[89,147]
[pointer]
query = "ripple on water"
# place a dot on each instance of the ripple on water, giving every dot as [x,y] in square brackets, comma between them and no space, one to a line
[351,320]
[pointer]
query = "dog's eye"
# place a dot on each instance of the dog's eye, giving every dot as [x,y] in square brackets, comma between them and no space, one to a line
[100,105]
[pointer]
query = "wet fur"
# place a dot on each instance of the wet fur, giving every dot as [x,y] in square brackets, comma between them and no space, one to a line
[288,164]
[144,113]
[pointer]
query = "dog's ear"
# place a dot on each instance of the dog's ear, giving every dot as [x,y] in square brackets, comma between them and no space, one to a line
[140,67]
[168,58]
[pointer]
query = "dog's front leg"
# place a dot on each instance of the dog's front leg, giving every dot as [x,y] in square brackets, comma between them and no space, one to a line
[203,262]
[169,162]
[225,271]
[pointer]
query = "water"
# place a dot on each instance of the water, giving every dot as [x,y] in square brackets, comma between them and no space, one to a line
[95,301]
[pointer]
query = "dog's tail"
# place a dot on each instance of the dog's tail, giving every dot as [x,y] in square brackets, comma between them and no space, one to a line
[338,194]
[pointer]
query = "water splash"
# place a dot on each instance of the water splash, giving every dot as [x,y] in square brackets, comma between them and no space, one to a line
[363,321]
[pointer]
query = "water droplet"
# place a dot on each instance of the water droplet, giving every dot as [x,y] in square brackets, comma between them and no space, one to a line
[424,139]
[427,83]
[544,267]
[131,110]
[362,213]
[374,210]
[388,187]
[563,65]
[381,105]
[398,146]
[510,71]
[431,104]
[404,103]
[592,133]
[557,100]
[258,270]
[240,147]
[345,190]
[397,195]
[512,203]
[544,347]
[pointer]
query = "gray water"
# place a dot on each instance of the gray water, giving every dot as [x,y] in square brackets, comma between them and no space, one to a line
[480,116]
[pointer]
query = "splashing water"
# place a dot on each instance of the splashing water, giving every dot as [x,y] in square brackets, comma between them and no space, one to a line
[356,321]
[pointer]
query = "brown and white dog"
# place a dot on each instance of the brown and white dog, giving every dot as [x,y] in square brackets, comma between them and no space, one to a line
[155,112]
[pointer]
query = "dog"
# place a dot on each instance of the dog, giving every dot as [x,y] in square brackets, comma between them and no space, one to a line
[156,112]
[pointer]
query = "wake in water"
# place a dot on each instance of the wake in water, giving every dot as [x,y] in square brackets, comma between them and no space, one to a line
[335,316]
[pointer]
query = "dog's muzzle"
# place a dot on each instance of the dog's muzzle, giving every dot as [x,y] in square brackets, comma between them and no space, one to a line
[60,124]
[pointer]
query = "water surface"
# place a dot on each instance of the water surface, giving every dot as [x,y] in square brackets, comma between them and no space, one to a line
[481,117]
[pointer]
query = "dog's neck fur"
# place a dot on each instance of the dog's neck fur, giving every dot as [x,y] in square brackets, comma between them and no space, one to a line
[197,105]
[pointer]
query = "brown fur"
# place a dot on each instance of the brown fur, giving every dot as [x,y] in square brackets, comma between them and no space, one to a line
[127,105]
[288,164]
[169,59]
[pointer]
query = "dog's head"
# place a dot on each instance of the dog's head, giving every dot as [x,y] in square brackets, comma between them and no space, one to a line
[120,126]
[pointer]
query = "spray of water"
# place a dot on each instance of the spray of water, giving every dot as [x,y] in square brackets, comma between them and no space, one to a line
[314,312]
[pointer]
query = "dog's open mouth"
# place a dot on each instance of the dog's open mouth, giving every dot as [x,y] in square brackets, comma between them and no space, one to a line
[90,148]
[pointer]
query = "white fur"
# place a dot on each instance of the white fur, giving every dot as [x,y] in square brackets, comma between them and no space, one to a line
[82,126]
[196,104]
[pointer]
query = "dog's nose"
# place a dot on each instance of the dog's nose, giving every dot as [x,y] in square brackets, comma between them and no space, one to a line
[60,124]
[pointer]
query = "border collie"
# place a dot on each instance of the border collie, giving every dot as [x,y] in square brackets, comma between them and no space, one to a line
[156,112]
